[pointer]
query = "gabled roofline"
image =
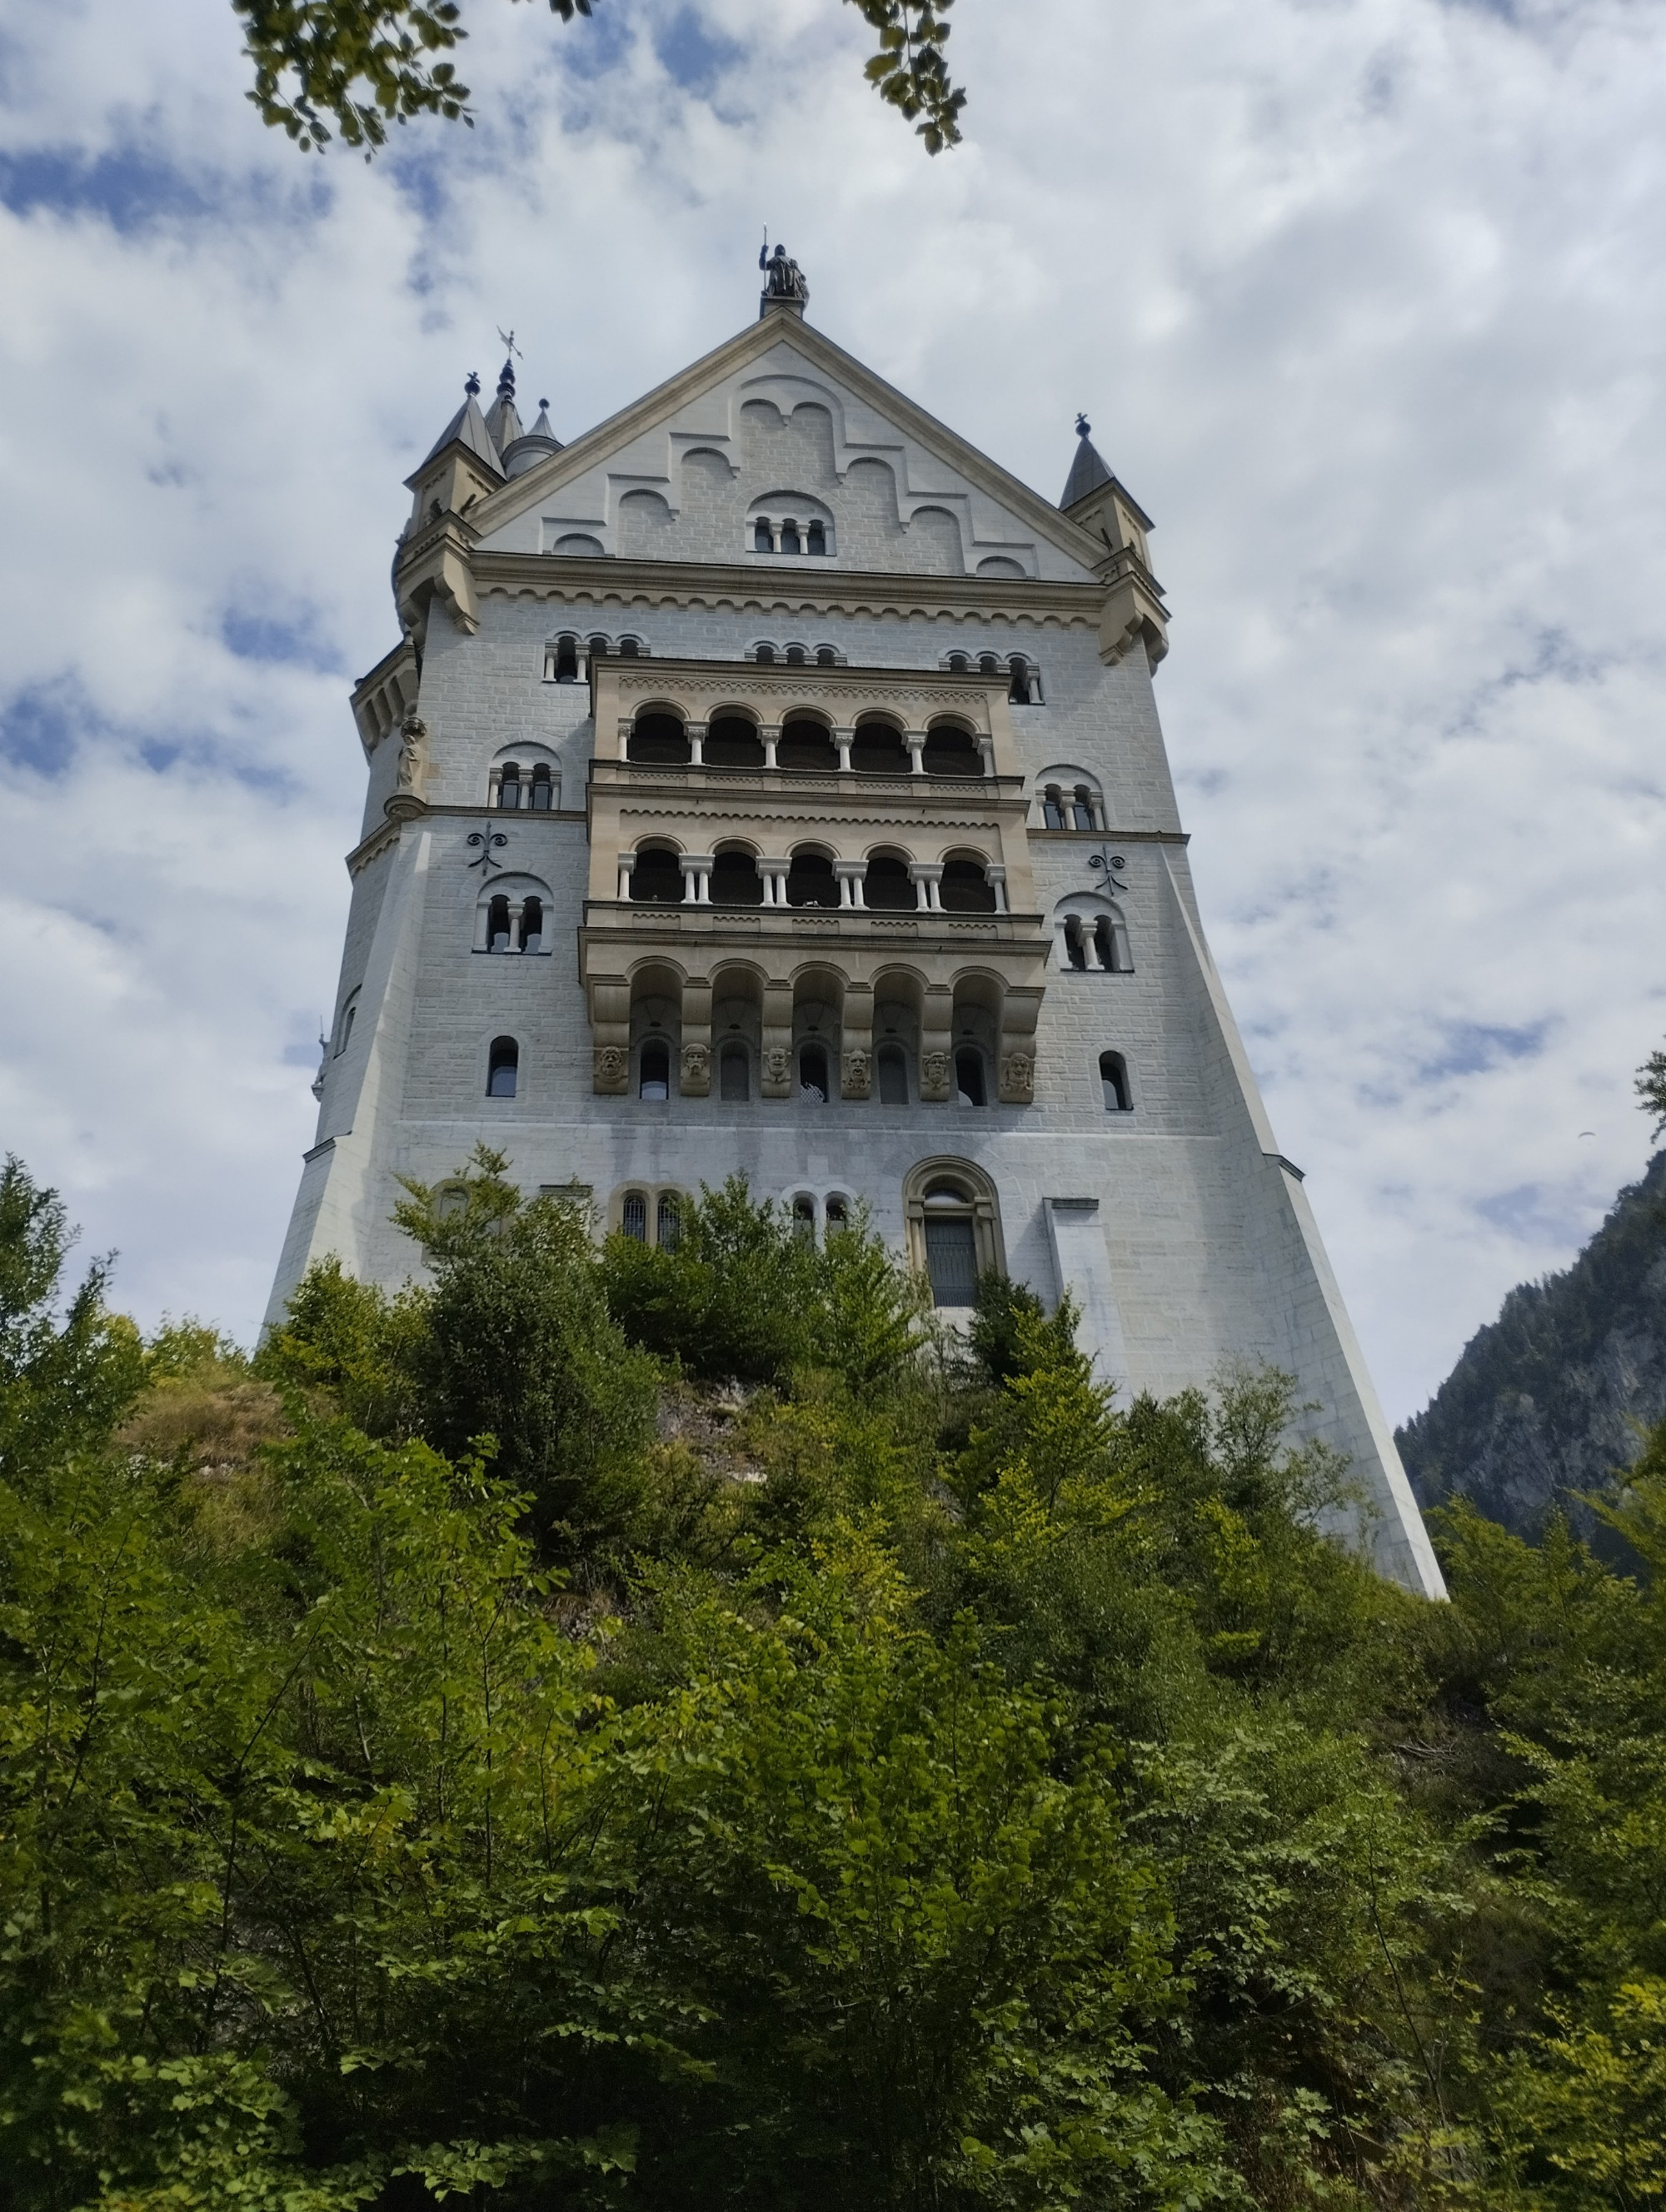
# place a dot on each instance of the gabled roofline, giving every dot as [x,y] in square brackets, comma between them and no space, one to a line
[521,492]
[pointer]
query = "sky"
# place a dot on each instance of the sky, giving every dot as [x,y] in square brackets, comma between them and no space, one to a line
[1364,299]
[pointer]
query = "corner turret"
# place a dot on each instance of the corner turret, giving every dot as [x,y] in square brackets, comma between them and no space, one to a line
[1097,502]
[523,452]
[463,467]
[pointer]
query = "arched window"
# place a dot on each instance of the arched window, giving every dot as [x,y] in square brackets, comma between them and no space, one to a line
[502,1067]
[951,1245]
[804,1219]
[1052,808]
[796,656]
[959,665]
[877,749]
[893,1075]
[1074,943]
[561,661]
[669,1226]
[1018,689]
[734,1085]
[806,746]
[542,792]
[1104,943]
[825,656]
[1113,1082]
[969,1078]
[531,926]
[810,881]
[735,878]
[345,1024]
[765,656]
[653,1070]
[497,926]
[837,1213]
[966,889]
[950,751]
[762,542]
[815,539]
[789,535]
[813,1085]
[733,742]
[508,788]
[633,1217]
[630,649]
[656,880]
[1081,808]
[887,884]
[599,648]
[659,741]
[987,664]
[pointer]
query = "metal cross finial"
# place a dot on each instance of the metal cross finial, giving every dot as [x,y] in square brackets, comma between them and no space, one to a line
[508,338]
[472,387]
[1083,426]
[486,839]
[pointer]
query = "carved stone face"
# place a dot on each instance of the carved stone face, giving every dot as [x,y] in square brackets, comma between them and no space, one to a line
[611,1066]
[934,1069]
[776,1063]
[697,1060]
[1018,1074]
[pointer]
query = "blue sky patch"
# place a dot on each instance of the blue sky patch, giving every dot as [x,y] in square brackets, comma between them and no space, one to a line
[266,638]
[1472,1048]
[38,729]
[693,54]
[129,189]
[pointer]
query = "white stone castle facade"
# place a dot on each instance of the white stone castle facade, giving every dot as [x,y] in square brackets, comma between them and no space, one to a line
[769,781]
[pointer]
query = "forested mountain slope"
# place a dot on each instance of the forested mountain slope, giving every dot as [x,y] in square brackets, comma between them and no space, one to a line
[1551,1399]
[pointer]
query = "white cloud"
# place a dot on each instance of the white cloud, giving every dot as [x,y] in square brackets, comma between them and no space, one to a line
[1360,297]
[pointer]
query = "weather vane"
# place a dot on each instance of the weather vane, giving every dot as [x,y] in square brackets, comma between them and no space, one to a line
[508,338]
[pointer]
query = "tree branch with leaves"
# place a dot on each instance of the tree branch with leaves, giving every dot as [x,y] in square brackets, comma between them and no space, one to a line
[325,68]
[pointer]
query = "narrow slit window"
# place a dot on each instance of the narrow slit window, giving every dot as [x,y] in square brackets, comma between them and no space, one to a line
[796,656]
[815,539]
[542,789]
[893,1076]
[1113,1082]
[838,1214]
[508,788]
[502,1068]
[969,1078]
[1052,808]
[497,925]
[567,660]
[766,656]
[1019,690]
[629,649]
[654,1072]
[763,541]
[804,1219]
[531,926]
[1081,808]
[825,656]
[790,537]
[1104,943]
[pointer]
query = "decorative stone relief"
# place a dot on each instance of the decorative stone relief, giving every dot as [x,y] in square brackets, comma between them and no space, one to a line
[696,1071]
[1017,1079]
[776,1063]
[610,1067]
[858,1079]
[933,1075]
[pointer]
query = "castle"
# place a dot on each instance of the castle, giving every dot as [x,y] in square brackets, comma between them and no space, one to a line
[769,781]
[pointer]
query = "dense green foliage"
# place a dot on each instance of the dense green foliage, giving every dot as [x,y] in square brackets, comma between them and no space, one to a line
[609,1728]
[361,65]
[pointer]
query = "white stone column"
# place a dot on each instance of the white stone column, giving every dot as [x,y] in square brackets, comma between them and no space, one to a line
[916,742]
[842,739]
[1061,931]
[495,777]
[517,908]
[774,874]
[998,884]
[696,869]
[771,739]
[696,744]
[850,874]
[627,869]
[927,885]
[986,750]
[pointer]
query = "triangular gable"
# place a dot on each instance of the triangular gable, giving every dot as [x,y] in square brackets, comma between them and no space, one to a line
[780,422]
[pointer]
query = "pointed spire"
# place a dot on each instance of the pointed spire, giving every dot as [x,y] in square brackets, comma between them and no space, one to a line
[1087,472]
[468,427]
[502,422]
[523,452]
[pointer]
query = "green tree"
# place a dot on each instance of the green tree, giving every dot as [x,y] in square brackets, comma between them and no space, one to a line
[361,64]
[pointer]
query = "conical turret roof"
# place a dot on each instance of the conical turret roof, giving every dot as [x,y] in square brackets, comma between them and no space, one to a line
[467,428]
[502,422]
[520,453]
[1087,472]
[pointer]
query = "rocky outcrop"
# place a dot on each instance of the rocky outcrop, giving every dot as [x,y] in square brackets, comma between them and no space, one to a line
[1550,1400]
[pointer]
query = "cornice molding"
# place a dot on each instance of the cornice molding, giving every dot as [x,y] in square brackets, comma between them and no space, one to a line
[723,585]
